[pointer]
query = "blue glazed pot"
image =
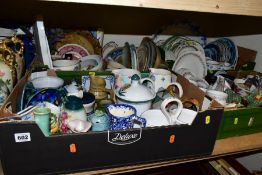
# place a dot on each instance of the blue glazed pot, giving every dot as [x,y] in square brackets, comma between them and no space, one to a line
[99,120]
[123,116]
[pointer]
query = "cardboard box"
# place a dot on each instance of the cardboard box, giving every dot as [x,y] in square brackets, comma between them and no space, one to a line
[25,150]
[240,122]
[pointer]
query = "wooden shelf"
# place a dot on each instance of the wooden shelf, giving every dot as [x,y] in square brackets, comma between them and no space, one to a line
[236,7]
[140,17]
[223,147]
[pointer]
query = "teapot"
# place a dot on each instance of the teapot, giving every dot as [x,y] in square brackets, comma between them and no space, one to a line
[136,94]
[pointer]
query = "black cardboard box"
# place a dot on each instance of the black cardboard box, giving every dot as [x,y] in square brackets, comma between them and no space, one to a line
[25,150]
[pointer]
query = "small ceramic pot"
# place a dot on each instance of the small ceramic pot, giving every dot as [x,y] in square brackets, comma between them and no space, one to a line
[99,120]
[123,116]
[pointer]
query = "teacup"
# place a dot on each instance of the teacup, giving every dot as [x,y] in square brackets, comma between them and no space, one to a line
[162,116]
[123,116]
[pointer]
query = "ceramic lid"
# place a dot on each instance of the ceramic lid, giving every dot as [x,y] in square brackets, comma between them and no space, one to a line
[135,92]
[88,98]
[73,103]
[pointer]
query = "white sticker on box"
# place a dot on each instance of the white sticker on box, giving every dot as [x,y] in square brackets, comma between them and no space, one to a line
[22,137]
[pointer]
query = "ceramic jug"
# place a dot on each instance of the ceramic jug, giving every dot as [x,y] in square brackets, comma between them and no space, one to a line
[165,115]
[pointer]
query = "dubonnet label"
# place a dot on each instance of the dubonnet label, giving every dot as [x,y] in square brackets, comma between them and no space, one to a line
[124,137]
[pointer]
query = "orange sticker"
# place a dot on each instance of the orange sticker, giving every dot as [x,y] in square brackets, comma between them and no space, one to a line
[72,148]
[172,139]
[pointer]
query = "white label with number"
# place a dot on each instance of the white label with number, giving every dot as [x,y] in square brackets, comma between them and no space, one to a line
[22,137]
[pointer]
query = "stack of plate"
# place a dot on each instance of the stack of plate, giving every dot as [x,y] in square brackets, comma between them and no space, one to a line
[146,54]
[186,54]
[122,57]
[222,54]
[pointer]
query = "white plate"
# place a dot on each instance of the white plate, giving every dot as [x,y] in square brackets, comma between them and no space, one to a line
[194,61]
[133,56]
[188,45]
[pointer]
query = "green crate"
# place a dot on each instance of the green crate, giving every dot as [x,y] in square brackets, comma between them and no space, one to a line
[240,122]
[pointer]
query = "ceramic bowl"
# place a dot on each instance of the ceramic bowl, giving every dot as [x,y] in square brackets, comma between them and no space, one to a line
[66,65]
[78,126]
[47,82]
[49,95]
[91,62]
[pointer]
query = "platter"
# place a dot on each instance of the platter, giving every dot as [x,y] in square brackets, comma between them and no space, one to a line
[193,61]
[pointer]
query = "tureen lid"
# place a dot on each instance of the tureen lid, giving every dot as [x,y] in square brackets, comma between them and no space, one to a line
[135,92]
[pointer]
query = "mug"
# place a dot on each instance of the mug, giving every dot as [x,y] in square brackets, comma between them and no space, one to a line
[161,78]
[41,115]
[123,116]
